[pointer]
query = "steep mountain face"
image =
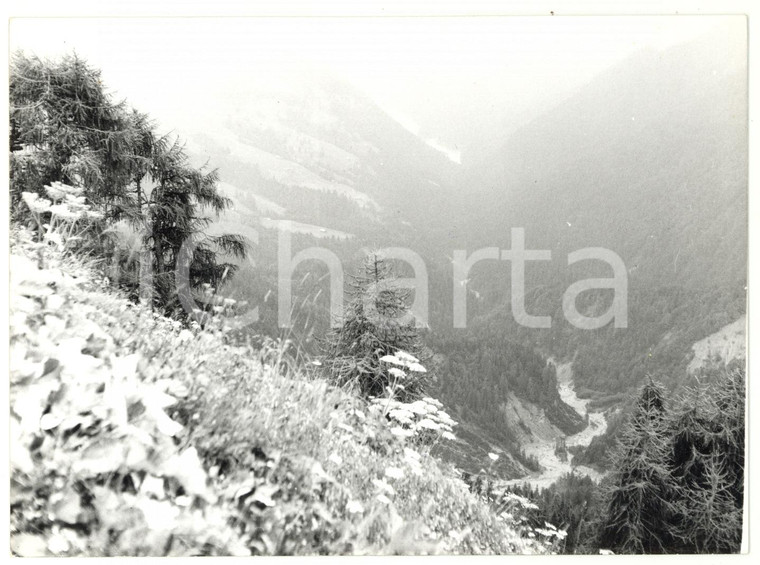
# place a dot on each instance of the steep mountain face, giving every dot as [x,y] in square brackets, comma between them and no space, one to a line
[727,345]
[301,145]
[649,160]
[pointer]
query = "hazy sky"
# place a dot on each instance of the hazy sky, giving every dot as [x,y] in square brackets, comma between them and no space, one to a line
[448,77]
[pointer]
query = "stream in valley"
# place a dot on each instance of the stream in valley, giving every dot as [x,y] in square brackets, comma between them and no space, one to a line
[543,448]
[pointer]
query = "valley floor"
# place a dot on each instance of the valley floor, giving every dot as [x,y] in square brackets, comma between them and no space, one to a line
[542,445]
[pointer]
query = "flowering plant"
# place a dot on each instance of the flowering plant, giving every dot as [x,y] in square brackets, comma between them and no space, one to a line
[67,208]
[423,419]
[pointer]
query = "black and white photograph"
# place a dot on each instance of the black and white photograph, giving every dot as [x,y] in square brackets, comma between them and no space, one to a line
[393,280]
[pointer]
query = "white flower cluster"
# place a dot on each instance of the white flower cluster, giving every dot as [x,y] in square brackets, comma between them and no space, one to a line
[66,206]
[36,204]
[65,202]
[217,310]
[516,501]
[405,360]
[403,364]
[517,510]
[422,418]
[551,531]
[69,202]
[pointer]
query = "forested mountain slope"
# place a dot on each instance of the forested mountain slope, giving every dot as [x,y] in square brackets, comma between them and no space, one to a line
[649,160]
[323,153]
[248,444]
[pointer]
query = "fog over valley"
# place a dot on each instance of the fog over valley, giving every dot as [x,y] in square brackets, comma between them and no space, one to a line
[378,285]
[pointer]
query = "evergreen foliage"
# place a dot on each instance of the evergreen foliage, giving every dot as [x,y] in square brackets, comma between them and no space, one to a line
[677,480]
[573,504]
[66,128]
[376,323]
[707,462]
[176,218]
[639,492]
[480,369]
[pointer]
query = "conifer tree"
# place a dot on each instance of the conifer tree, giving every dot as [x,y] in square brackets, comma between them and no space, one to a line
[376,322]
[65,127]
[177,214]
[707,461]
[639,489]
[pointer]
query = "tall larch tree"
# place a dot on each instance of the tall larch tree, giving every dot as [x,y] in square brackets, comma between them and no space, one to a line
[64,126]
[639,489]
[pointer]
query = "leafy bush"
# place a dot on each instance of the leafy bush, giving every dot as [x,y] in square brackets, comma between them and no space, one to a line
[98,467]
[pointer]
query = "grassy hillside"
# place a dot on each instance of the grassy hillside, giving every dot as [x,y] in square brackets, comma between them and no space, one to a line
[131,435]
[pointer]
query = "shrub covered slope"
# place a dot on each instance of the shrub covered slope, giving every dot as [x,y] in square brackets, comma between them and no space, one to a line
[131,435]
